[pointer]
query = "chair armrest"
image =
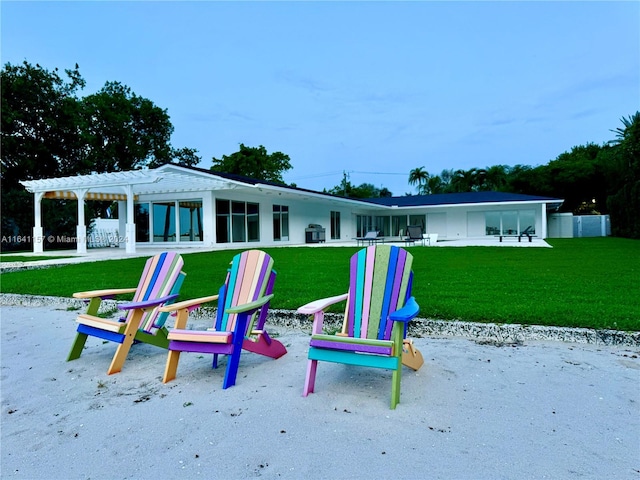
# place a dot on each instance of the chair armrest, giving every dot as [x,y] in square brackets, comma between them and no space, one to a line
[104,293]
[248,307]
[148,303]
[191,304]
[406,313]
[319,305]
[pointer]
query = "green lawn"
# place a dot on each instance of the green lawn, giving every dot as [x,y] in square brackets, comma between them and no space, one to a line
[591,282]
[27,258]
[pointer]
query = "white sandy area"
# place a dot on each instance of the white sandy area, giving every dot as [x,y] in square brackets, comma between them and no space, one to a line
[532,411]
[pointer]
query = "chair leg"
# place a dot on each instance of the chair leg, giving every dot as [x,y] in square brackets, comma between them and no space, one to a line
[395,387]
[265,345]
[310,381]
[120,355]
[215,361]
[233,361]
[171,367]
[78,345]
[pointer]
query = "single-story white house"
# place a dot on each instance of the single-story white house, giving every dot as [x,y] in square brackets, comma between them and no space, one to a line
[188,206]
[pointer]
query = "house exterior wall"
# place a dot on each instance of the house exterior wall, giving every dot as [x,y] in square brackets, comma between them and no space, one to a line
[302,212]
[182,202]
[447,221]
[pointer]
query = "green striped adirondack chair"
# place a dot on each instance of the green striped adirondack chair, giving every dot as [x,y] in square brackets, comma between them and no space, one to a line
[378,307]
[243,304]
[159,285]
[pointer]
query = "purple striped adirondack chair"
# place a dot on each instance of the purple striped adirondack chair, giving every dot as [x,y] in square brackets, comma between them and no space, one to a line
[378,307]
[159,285]
[243,304]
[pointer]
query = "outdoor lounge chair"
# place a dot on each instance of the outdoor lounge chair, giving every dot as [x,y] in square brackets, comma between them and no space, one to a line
[243,304]
[379,306]
[414,233]
[527,232]
[371,238]
[159,284]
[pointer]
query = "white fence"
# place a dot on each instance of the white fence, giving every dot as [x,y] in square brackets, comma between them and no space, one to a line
[567,225]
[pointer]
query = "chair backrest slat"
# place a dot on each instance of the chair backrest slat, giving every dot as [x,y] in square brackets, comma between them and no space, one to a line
[380,282]
[250,276]
[162,276]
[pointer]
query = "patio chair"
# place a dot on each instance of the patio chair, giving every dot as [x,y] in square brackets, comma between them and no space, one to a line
[379,306]
[371,238]
[414,233]
[243,304]
[159,284]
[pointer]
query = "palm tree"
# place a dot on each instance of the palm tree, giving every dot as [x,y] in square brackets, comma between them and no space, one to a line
[463,180]
[496,177]
[622,133]
[435,185]
[419,176]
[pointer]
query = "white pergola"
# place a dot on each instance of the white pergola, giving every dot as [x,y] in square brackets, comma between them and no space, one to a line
[122,186]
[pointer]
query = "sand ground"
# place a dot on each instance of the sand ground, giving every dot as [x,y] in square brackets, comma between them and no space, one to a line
[474,411]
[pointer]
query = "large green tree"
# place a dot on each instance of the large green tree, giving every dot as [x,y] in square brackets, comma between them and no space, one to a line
[41,121]
[624,204]
[364,190]
[47,130]
[254,162]
[124,131]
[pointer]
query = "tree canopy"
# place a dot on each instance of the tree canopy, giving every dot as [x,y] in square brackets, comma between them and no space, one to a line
[254,162]
[48,130]
[124,131]
[592,179]
[364,190]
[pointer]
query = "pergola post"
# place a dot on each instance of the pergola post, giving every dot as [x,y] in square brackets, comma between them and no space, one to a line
[38,234]
[81,228]
[131,225]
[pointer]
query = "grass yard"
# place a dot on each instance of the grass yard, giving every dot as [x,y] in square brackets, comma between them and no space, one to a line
[590,282]
[4,258]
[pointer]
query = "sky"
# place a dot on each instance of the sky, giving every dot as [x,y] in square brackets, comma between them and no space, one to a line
[362,90]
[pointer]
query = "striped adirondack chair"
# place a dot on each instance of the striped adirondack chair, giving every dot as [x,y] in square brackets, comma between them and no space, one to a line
[378,307]
[243,304]
[159,285]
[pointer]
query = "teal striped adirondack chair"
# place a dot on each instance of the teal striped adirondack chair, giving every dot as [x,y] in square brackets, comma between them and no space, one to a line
[159,285]
[379,306]
[243,304]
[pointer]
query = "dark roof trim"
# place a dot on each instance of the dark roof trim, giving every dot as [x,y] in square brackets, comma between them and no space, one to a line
[459,198]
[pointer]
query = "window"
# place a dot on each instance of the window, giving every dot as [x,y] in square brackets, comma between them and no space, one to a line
[511,222]
[367,223]
[364,224]
[492,223]
[164,222]
[528,219]
[383,226]
[253,222]
[335,225]
[223,221]
[280,223]
[170,221]
[398,225]
[141,219]
[237,221]
[190,218]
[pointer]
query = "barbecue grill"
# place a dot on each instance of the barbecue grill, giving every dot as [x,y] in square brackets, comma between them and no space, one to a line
[314,233]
